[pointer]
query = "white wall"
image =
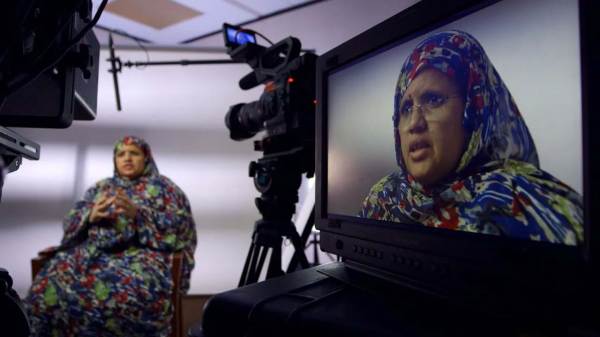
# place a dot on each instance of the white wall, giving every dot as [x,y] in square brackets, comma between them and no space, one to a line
[180,112]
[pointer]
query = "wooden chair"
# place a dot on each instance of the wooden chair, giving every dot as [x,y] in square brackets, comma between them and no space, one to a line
[176,324]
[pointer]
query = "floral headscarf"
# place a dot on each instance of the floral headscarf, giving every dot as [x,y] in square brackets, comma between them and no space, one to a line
[491,119]
[150,168]
[497,186]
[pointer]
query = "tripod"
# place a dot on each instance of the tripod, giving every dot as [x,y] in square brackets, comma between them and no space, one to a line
[277,176]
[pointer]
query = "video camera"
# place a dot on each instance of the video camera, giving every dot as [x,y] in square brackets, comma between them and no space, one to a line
[286,111]
[287,106]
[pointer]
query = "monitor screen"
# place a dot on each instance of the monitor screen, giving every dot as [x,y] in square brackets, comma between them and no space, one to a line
[237,37]
[472,126]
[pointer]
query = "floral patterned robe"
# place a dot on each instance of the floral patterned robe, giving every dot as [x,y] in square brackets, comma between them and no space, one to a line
[113,278]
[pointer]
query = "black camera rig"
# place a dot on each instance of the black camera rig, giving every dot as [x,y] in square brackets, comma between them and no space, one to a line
[286,112]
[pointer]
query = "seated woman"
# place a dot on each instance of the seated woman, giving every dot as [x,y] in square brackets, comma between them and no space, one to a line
[467,161]
[111,275]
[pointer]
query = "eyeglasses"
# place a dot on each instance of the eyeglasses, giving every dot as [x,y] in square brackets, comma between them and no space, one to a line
[432,104]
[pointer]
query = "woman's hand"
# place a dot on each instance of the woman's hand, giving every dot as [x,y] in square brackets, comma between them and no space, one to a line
[125,206]
[100,209]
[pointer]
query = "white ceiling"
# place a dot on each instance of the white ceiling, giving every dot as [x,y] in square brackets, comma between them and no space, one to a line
[213,14]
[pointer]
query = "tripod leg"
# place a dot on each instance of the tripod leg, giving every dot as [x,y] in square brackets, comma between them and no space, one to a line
[246,266]
[252,270]
[315,243]
[275,262]
[308,226]
[261,261]
[299,249]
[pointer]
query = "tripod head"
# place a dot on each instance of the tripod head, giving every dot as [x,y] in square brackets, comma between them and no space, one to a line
[277,175]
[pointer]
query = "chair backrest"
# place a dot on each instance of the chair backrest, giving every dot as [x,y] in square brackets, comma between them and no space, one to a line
[176,295]
[38,262]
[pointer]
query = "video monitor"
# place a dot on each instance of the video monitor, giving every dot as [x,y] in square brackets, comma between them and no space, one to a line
[455,130]
[66,92]
[235,36]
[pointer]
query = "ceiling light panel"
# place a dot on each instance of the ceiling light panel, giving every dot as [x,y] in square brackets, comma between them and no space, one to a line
[157,14]
[168,22]
[214,13]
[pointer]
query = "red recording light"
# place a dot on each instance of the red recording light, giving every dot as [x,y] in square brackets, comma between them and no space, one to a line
[291,80]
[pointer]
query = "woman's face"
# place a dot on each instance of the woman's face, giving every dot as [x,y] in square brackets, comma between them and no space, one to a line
[130,161]
[430,126]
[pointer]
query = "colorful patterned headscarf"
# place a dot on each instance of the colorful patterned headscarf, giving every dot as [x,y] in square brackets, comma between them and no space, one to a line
[492,121]
[497,186]
[150,168]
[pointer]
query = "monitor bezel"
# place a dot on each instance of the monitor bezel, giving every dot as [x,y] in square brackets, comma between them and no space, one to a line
[378,246]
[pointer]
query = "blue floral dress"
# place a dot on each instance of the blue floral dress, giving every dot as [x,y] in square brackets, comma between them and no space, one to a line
[497,187]
[113,278]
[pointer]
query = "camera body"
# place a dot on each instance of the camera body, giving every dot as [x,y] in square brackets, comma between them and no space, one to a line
[286,109]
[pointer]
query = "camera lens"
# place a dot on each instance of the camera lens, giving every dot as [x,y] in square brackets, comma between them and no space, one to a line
[234,120]
[245,120]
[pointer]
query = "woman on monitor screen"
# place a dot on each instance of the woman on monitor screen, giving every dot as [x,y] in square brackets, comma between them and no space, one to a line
[467,161]
[111,275]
